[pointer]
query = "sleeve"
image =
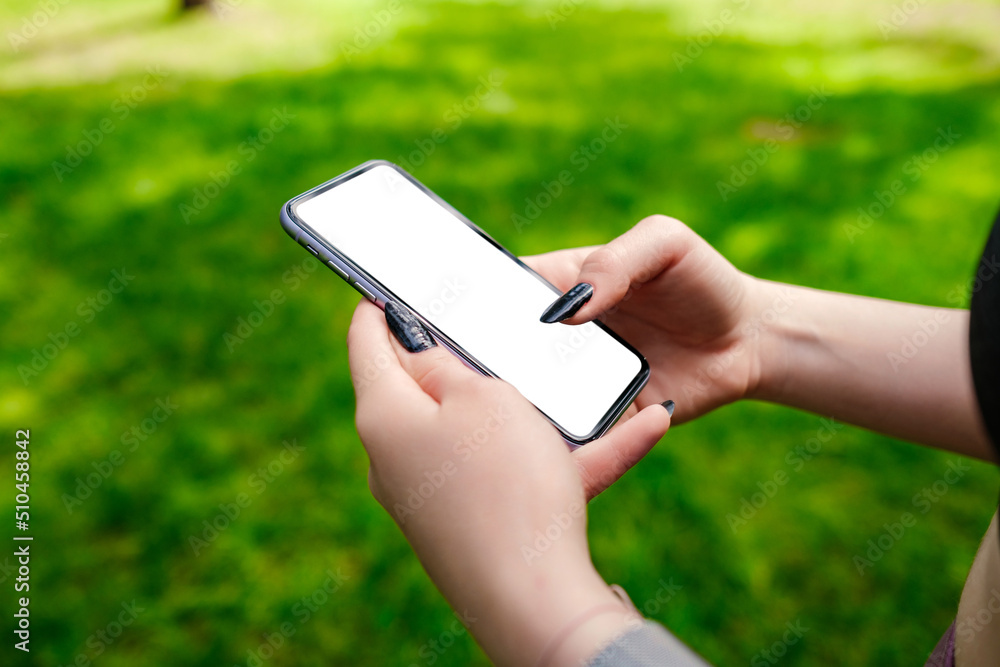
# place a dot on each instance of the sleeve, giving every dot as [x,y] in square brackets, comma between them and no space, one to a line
[984,334]
[648,645]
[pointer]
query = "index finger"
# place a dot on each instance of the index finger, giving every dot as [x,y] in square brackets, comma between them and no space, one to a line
[375,367]
[639,255]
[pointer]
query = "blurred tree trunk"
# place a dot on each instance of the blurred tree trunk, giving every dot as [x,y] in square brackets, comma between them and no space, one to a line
[194,4]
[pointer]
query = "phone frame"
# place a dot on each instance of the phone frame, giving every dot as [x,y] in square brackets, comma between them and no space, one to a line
[373,290]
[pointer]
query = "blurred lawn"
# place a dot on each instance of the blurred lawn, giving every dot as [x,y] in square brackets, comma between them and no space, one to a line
[563,74]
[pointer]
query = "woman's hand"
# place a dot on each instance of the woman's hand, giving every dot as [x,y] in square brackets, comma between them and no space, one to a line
[714,335]
[693,316]
[486,490]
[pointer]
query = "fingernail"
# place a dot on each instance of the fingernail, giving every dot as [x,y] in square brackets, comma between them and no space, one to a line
[669,405]
[566,306]
[407,329]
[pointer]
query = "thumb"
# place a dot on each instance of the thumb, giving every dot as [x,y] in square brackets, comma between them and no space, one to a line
[602,462]
[432,366]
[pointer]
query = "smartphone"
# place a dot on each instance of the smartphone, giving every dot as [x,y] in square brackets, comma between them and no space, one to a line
[391,238]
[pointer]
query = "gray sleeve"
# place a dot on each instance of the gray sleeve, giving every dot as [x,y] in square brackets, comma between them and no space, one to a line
[649,645]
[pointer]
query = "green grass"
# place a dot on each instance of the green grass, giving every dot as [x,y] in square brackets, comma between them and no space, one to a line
[163,335]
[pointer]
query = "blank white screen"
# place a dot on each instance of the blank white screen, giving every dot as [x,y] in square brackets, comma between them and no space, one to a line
[474,294]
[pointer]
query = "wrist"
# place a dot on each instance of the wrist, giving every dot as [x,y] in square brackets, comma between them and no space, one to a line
[588,634]
[768,334]
[559,610]
[585,617]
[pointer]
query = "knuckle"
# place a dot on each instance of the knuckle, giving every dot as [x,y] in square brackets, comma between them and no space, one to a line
[502,391]
[431,377]
[663,228]
[662,222]
[604,261]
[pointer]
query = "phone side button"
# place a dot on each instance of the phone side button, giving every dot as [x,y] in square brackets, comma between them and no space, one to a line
[339,271]
[312,250]
[364,292]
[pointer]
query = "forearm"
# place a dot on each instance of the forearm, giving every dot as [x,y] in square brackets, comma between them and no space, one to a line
[896,368]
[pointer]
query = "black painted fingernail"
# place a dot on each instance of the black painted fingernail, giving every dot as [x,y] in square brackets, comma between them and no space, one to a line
[669,405]
[407,329]
[566,306]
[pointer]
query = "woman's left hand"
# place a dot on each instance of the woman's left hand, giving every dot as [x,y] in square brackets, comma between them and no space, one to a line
[487,492]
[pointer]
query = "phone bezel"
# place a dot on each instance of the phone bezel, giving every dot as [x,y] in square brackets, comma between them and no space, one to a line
[359,277]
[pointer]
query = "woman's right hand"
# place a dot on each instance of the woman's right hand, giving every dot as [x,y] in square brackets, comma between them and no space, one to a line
[691,313]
